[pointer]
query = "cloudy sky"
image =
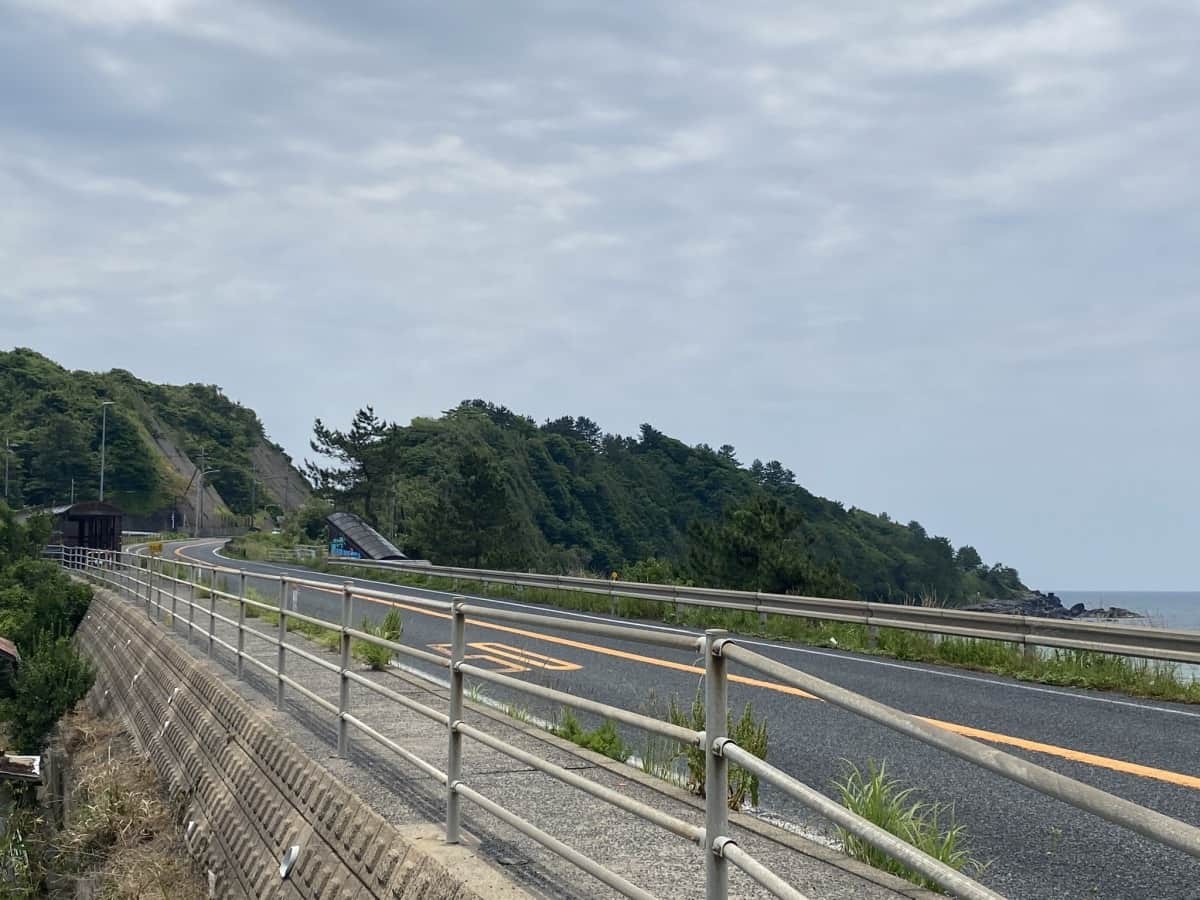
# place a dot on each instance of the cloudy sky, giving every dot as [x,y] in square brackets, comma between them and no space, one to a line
[939,258]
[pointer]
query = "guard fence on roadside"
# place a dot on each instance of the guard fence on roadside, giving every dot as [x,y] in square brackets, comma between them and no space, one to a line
[1171,645]
[160,588]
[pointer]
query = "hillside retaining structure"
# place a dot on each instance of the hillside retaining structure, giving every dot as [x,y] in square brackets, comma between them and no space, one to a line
[249,794]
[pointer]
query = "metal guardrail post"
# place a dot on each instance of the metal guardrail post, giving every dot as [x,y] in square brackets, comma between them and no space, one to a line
[343,730]
[1029,652]
[241,625]
[150,590]
[280,658]
[212,609]
[716,767]
[174,594]
[162,585]
[194,572]
[458,645]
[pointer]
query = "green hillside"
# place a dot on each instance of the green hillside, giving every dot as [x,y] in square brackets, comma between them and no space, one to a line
[482,485]
[155,436]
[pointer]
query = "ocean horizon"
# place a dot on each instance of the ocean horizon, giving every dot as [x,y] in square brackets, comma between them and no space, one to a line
[1164,609]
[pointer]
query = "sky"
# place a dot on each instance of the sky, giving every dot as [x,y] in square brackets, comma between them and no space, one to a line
[938,258]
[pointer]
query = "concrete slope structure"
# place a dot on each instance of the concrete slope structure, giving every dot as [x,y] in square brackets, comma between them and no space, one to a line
[250,794]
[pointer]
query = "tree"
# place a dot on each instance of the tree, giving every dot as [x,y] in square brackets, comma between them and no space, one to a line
[358,459]
[776,476]
[761,546]
[470,521]
[968,559]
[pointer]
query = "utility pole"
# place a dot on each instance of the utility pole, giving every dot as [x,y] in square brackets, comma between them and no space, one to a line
[104,405]
[72,491]
[199,495]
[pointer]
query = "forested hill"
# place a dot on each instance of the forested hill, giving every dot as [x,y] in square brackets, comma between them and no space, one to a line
[484,486]
[155,435]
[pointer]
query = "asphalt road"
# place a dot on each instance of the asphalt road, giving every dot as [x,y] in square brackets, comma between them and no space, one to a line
[1036,847]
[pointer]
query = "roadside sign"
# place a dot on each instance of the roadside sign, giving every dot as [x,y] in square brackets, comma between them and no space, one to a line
[155,548]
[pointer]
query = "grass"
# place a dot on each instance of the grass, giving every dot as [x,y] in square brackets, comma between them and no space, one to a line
[930,827]
[375,656]
[604,739]
[118,826]
[1068,668]
[747,732]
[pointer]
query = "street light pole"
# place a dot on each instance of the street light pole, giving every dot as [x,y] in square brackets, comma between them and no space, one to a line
[103,441]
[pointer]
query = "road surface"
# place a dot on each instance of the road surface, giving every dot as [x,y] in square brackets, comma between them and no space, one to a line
[1036,847]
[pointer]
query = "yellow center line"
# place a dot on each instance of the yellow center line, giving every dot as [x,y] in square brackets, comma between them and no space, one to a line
[994,737]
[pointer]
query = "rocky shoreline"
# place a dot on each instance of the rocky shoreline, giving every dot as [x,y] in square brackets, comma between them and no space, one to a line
[1048,606]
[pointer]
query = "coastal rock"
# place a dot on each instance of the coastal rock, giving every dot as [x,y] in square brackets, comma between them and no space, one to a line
[1047,606]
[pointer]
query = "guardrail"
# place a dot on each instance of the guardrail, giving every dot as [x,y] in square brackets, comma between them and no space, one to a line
[155,585]
[1028,631]
[297,553]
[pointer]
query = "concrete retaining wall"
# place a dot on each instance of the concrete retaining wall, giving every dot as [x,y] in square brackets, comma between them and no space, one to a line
[250,792]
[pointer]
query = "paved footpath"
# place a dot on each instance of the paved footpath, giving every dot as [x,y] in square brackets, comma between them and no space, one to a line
[661,863]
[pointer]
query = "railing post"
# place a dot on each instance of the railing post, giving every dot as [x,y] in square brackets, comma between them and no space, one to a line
[716,767]
[174,576]
[1029,651]
[458,643]
[343,730]
[280,662]
[241,626]
[193,577]
[150,589]
[212,609]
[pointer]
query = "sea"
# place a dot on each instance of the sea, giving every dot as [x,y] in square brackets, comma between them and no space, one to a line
[1159,609]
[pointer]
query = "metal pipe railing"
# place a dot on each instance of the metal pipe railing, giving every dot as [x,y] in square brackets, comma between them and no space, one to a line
[665,821]
[900,850]
[759,873]
[147,580]
[586,863]
[670,639]
[1174,645]
[1117,810]
[685,736]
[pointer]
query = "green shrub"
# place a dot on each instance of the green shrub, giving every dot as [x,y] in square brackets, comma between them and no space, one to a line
[747,733]
[884,801]
[605,739]
[375,656]
[37,597]
[49,682]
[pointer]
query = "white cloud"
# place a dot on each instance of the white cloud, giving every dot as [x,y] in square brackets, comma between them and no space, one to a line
[761,222]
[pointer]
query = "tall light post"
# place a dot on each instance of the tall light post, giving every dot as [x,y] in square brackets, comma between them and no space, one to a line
[8,445]
[199,475]
[104,405]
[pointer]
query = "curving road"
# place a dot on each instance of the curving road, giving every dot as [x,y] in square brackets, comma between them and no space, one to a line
[1146,751]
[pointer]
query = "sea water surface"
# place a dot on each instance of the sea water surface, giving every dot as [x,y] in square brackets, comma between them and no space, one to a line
[1164,609]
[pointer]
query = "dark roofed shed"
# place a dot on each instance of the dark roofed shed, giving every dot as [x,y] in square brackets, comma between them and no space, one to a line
[360,538]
